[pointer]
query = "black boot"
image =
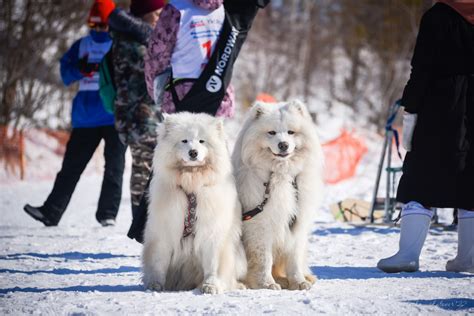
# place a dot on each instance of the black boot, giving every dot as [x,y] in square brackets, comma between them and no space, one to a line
[138,221]
[39,214]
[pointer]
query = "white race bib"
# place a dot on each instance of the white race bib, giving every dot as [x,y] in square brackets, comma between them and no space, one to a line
[96,52]
[198,32]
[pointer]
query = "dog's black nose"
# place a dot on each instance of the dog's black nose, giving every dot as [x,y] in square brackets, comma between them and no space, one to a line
[193,153]
[283,146]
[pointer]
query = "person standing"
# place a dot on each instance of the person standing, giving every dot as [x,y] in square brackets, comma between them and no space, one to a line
[438,123]
[90,124]
[136,114]
[183,41]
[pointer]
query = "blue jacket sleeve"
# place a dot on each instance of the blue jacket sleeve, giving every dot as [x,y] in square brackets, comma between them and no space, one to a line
[69,70]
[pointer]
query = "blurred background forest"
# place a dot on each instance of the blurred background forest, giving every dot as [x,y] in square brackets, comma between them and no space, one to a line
[327,52]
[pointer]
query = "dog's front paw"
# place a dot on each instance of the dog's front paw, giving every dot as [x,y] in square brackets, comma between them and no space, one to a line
[305,285]
[240,286]
[272,286]
[284,283]
[311,278]
[154,286]
[208,288]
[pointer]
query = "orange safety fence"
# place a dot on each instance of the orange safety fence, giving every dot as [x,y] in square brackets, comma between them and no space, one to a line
[12,150]
[342,156]
[265,97]
[61,138]
[12,146]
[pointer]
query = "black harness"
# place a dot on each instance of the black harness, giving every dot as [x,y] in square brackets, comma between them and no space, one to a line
[257,210]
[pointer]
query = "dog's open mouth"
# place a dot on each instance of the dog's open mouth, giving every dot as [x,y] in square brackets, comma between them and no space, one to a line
[282,155]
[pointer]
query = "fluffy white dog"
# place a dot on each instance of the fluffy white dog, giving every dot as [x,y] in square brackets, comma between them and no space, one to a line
[193,232]
[278,166]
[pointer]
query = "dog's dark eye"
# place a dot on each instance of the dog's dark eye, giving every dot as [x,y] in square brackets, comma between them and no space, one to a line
[201,141]
[184,141]
[272,133]
[291,132]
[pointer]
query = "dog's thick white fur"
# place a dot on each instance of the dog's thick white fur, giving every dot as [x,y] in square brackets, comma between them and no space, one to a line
[192,157]
[278,141]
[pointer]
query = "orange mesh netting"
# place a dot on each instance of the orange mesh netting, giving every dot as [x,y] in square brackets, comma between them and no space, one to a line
[265,97]
[61,137]
[342,156]
[12,150]
[12,146]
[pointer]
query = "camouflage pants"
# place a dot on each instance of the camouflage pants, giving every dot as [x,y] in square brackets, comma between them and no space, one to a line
[142,157]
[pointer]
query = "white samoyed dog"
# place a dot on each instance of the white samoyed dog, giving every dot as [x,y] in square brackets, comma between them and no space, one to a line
[278,164]
[192,236]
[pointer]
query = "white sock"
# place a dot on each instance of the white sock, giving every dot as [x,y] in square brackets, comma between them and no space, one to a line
[463,214]
[413,207]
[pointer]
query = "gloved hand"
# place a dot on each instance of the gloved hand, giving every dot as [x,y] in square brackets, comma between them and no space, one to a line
[85,68]
[409,123]
[262,3]
[123,22]
[159,85]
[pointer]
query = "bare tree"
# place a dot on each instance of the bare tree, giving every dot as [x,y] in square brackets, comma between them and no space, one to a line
[353,52]
[34,34]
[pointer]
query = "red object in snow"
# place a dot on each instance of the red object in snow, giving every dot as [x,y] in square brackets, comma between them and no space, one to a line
[342,156]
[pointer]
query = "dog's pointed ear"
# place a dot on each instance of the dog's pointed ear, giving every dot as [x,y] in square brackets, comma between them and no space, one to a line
[220,124]
[300,107]
[165,126]
[259,109]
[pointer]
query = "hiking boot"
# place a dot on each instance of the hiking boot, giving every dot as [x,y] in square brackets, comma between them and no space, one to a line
[107,222]
[39,214]
[464,261]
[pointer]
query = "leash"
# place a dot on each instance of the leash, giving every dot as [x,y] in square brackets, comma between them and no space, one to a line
[257,210]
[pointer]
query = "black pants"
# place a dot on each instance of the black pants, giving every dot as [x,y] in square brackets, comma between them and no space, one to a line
[80,148]
[140,215]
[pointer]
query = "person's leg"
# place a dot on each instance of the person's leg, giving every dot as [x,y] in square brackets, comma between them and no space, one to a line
[464,261]
[79,150]
[142,157]
[111,192]
[414,227]
[137,227]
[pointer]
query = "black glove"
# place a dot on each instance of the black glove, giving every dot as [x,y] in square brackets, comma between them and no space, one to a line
[262,3]
[85,68]
[123,22]
[159,116]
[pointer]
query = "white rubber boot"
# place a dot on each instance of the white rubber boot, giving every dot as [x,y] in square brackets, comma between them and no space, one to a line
[464,261]
[414,227]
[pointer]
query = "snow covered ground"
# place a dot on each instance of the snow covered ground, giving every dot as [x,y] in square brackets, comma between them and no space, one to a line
[80,268]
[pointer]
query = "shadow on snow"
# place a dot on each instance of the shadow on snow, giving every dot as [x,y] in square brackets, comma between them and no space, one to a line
[355,230]
[80,288]
[122,269]
[67,256]
[364,273]
[449,304]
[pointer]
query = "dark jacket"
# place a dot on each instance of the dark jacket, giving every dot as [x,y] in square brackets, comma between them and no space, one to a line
[136,115]
[439,171]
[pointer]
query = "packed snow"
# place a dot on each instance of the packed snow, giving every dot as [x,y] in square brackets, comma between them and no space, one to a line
[81,268]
